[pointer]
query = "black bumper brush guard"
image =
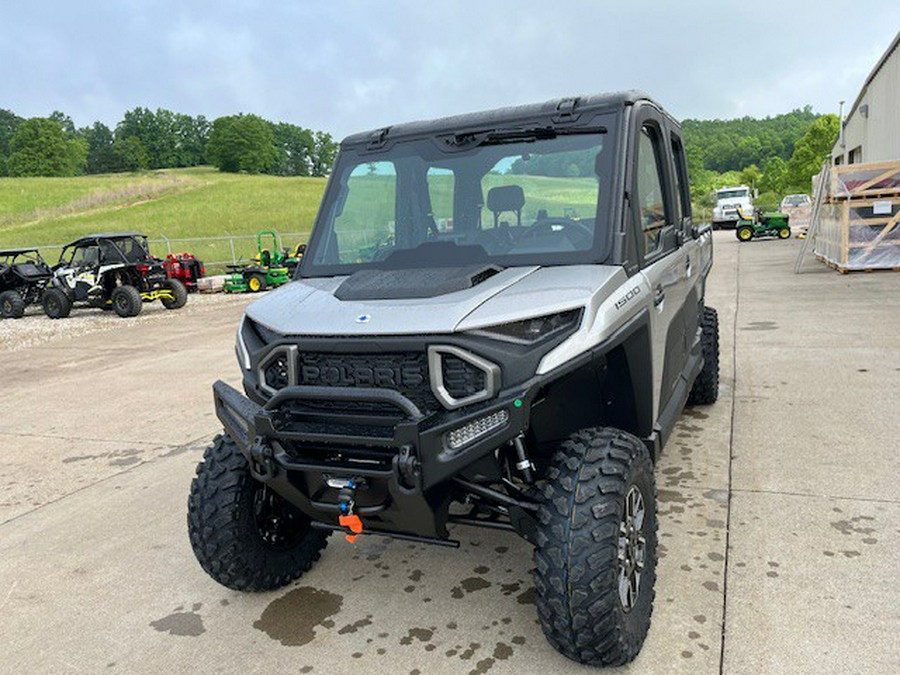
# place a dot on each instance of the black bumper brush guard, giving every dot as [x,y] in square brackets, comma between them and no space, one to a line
[395,471]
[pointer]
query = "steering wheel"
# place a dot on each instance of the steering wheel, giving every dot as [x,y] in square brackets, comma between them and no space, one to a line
[575,232]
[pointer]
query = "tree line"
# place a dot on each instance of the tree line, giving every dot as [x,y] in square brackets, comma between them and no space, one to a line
[161,139]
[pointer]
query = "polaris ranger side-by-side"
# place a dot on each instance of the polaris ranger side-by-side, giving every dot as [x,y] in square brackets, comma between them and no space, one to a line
[497,322]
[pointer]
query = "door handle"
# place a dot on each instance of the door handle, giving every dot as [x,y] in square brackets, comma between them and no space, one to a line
[658,296]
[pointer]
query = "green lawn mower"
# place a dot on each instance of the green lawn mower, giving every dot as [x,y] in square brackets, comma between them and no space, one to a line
[768,224]
[266,270]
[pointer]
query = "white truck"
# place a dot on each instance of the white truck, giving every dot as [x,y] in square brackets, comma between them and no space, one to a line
[728,201]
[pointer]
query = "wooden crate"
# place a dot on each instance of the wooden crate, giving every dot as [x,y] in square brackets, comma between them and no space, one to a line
[857,181]
[860,233]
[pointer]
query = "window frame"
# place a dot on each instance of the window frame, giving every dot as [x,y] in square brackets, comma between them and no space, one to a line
[647,117]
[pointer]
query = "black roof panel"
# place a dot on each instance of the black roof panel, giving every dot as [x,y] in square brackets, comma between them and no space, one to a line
[106,235]
[500,116]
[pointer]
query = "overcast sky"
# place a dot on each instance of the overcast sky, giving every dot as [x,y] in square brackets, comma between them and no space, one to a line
[345,66]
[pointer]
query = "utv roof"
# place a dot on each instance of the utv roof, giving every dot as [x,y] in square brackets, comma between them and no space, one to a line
[105,235]
[17,251]
[555,112]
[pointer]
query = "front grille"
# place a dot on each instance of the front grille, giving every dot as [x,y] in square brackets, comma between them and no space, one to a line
[403,372]
[461,378]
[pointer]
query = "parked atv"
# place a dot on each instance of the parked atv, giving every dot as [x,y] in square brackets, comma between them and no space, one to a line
[763,224]
[23,277]
[110,271]
[186,268]
[266,269]
[517,373]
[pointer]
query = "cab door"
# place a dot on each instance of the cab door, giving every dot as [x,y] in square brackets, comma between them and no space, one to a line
[663,262]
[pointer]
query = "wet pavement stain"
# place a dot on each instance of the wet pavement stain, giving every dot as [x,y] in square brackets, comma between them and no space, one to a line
[469,585]
[186,624]
[293,618]
[526,598]
[420,634]
[356,625]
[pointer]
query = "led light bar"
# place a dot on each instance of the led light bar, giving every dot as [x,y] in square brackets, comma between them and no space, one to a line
[471,432]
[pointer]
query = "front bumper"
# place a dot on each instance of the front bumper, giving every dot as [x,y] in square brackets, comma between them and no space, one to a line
[402,460]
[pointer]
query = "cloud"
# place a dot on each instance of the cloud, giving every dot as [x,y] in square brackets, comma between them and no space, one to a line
[350,65]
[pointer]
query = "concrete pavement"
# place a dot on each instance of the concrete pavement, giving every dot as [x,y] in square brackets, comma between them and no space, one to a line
[793,469]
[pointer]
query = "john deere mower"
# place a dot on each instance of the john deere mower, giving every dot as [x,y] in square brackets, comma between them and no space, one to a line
[266,270]
[762,224]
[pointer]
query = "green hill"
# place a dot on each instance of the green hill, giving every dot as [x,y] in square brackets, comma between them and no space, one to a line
[176,203]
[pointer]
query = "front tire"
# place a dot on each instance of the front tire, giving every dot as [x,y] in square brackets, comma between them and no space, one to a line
[706,386]
[127,302]
[179,292]
[244,535]
[12,306]
[56,304]
[595,558]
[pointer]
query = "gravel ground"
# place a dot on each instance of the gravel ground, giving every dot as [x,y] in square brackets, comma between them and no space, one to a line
[35,328]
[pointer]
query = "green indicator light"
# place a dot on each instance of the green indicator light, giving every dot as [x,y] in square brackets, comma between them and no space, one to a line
[518,403]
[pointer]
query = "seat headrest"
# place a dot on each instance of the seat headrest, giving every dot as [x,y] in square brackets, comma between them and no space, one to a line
[505,198]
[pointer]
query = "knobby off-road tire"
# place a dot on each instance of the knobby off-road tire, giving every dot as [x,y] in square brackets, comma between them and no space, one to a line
[585,548]
[706,386]
[225,528]
[127,302]
[12,306]
[179,291]
[56,304]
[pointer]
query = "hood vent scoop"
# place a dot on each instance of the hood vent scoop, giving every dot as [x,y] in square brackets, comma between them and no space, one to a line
[413,283]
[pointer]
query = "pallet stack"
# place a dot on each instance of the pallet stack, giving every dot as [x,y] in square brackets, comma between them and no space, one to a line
[859,226]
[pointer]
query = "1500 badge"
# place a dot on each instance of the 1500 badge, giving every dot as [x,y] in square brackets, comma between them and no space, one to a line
[621,302]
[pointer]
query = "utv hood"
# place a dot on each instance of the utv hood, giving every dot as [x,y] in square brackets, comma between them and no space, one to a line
[311,306]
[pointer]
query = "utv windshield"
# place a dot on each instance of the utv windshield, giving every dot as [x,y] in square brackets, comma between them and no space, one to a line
[510,197]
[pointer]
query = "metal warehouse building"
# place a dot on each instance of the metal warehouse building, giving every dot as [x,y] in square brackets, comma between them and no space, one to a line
[871,132]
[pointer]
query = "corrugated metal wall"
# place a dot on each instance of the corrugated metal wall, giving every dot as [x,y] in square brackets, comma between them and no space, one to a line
[878,134]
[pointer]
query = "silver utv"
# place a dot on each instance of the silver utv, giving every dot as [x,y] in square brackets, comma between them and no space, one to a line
[497,322]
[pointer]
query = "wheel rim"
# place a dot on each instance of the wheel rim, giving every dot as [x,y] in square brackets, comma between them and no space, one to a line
[745,234]
[52,305]
[280,526]
[631,548]
[122,303]
[254,284]
[7,306]
[785,234]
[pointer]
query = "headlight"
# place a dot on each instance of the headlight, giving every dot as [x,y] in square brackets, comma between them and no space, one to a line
[240,346]
[533,330]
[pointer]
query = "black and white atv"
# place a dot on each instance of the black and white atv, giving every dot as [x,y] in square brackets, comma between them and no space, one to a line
[497,323]
[110,271]
[23,277]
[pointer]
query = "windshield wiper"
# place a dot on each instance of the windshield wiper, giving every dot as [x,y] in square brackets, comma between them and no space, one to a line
[470,139]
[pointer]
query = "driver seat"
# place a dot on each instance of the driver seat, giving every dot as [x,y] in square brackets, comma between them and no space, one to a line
[506,198]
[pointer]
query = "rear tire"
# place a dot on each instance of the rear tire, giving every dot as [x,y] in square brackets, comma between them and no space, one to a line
[126,300]
[179,291]
[706,386]
[744,233]
[784,233]
[257,283]
[12,306]
[56,304]
[229,531]
[595,564]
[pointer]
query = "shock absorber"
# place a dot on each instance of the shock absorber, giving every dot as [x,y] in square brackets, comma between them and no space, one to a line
[523,464]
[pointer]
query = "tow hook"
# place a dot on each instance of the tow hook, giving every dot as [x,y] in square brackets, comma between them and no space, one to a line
[262,461]
[347,506]
[408,466]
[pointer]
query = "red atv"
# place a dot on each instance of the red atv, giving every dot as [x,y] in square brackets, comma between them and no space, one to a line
[186,268]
